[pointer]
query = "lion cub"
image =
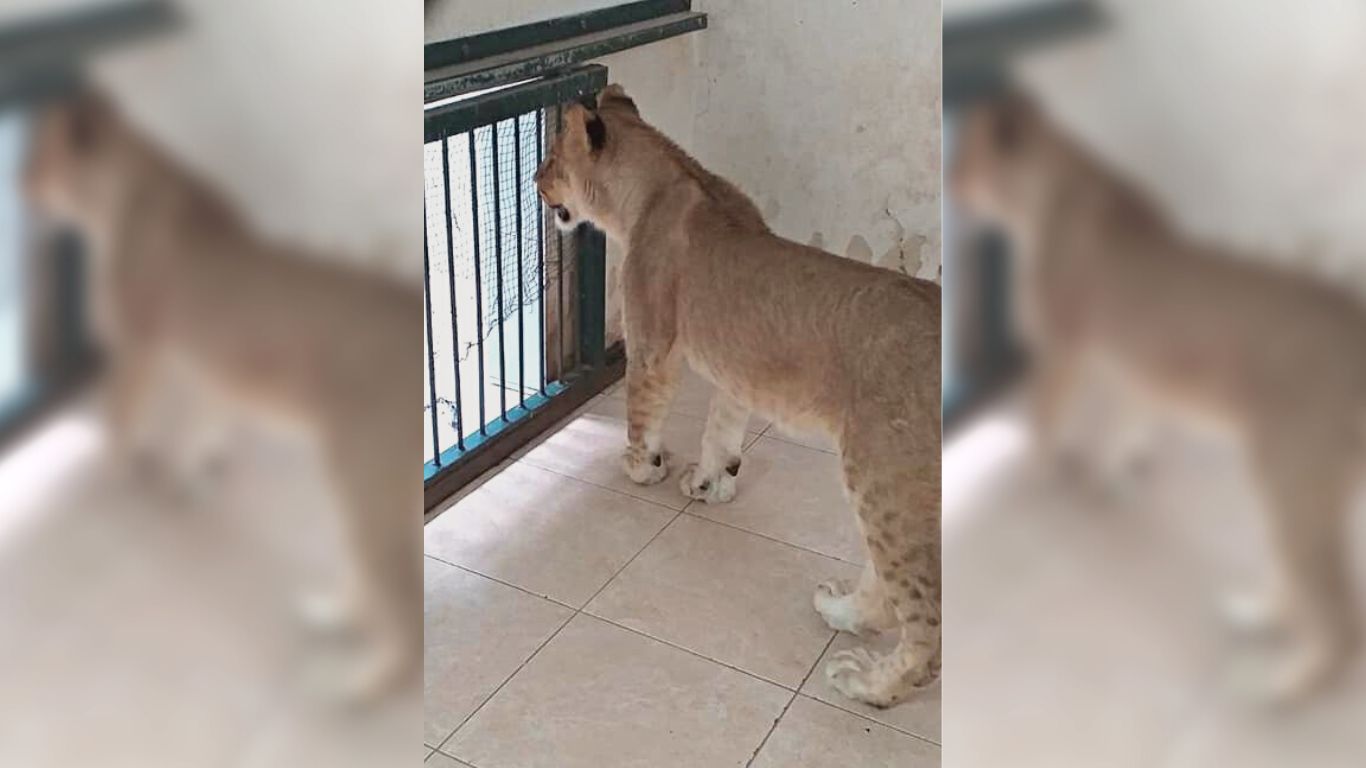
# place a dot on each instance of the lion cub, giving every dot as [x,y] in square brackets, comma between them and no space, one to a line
[805,337]
[181,283]
[1275,356]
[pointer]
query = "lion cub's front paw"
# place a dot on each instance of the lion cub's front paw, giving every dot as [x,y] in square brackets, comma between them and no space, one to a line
[643,466]
[714,489]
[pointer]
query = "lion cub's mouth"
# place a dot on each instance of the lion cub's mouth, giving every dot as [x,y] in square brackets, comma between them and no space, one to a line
[561,213]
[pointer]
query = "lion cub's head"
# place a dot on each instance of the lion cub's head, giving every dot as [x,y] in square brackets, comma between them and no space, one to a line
[570,179]
[1005,162]
[71,171]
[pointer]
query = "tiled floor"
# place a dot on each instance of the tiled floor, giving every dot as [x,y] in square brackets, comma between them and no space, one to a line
[1083,629]
[576,619]
[142,628]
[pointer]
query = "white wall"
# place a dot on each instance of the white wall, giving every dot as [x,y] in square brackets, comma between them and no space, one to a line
[827,114]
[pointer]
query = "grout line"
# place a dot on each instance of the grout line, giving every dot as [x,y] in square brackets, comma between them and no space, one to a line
[763,432]
[796,691]
[553,635]
[690,651]
[789,441]
[788,705]
[608,487]
[862,716]
[817,662]
[482,575]
[798,547]
[689,504]
[591,484]
[624,566]
[506,680]
[453,757]
[583,609]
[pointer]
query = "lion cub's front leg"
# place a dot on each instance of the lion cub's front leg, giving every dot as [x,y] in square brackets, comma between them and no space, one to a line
[713,478]
[650,386]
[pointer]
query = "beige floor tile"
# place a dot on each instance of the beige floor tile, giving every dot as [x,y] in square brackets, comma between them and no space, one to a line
[918,715]
[337,739]
[600,696]
[589,448]
[1323,732]
[728,595]
[1078,631]
[793,494]
[536,441]
[144,628]
[477,632]
[694,399]
[815,735]
[545,533]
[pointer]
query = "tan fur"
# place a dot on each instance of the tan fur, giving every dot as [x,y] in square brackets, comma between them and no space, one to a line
[1273,355]
[807,338]
[181,280]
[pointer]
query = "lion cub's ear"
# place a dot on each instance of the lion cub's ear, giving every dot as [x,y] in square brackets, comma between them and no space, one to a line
[585,128]
[84,119]
[615,96]
[1010,121]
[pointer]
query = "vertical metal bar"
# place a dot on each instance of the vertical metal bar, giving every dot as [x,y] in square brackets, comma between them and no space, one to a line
[559,261]
[450,277]
[431,357]
[478,281]
[592,285]
[521,331]
[498,316]
[540,249]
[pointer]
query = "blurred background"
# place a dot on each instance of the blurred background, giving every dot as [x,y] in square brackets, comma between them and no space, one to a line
[1091,596]
[147,623]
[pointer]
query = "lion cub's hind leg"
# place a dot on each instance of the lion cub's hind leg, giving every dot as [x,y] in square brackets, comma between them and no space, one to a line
[898,508]
[1308,479]
[712,479]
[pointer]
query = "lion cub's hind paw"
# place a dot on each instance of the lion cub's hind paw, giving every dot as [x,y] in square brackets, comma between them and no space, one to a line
[857,674]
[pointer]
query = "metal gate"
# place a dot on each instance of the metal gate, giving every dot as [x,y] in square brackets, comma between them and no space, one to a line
[514,308]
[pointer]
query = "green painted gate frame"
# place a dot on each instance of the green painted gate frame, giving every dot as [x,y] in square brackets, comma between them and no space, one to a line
[598,367]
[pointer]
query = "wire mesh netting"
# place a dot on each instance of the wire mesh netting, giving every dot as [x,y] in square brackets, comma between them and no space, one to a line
[493,274]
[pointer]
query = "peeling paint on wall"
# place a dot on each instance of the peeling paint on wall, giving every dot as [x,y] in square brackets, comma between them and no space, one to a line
[828,115]
[905,256]
[859,250]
